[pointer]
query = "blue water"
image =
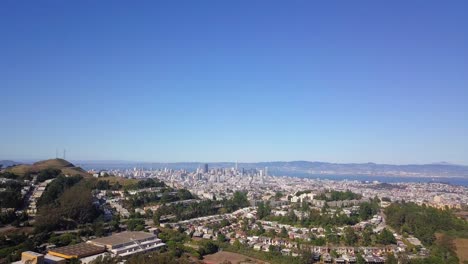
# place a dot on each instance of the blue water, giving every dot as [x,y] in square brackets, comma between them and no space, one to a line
[386,179]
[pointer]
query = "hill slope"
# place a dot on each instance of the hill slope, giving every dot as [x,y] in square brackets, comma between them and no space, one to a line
[66,167]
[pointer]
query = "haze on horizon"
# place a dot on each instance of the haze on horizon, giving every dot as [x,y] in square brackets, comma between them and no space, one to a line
[383,82]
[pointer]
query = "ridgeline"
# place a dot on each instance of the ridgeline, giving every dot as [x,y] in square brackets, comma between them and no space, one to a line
[64,166]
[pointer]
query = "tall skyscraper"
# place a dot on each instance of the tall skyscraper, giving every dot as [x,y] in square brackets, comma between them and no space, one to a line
[205,168]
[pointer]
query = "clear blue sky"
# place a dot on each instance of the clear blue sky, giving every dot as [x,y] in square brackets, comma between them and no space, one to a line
[338,81]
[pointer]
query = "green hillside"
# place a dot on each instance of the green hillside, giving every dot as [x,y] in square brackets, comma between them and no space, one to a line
[66,167]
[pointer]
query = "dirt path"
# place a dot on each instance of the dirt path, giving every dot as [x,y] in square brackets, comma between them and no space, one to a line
[462,248]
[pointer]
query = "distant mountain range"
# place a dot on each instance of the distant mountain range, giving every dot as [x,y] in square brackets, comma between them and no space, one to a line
[8,163]
[295,168]
[279,168]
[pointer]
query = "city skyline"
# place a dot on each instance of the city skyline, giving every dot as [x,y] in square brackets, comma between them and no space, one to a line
[211,81]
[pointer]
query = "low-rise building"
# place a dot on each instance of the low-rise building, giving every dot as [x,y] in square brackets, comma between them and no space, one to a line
[129,243]
[80,250]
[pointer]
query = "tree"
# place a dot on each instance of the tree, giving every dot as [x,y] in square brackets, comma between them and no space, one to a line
[56,188]
[107,259]
[103,185]
[351,238]
[272,249]
[156,218]
[115,223]
[207,248]
[47,219]
[367,210]
[360,259]
[391,259]
[386,237]
[237,244]
[48,174]
[260,230]
[278,195]
[271,232]
[134,224]
[263,210]
[334,254]
[221,237]
[422,221]
[240,199]
[284,232]
[77,204]
[367,236]
[74,261]
[10,198]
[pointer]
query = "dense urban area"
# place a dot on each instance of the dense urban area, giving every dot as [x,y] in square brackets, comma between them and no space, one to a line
[54,212]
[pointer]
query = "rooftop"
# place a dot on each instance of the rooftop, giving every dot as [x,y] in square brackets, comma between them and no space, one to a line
[122,238]
[76,251]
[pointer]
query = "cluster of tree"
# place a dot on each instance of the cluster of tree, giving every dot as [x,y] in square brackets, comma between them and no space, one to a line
[239,200]
[100,227]
[47,174]
[315,218]
[146,184]
[12,217]
[72,207]
[441,252]
[278,196]
[106,185]
[350,237]
[107,259]
[8,175]
[11,196]
[64,239]
[386,237]
[423,222]
[144,198]
[338,196]
[135,224]
[203,208]
[263,210]
[167,195]
[56,188]
[368,209]
[207,247]
[7,217]
[299,193]
[12,245]
[318,241]
[11,175]
[218,225]
[366,238]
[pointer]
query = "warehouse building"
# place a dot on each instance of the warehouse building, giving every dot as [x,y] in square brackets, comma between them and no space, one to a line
[78,251]
[129,243]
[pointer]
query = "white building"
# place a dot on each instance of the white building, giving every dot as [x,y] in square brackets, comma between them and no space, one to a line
[129,243]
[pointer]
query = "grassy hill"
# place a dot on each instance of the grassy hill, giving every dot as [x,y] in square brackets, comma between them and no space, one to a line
[61,164]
